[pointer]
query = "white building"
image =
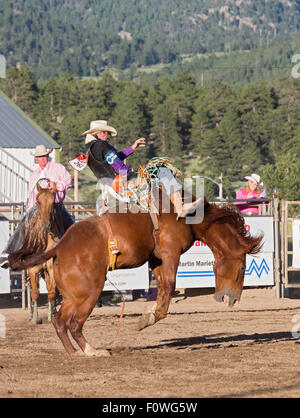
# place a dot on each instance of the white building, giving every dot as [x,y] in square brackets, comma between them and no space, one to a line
[18,138]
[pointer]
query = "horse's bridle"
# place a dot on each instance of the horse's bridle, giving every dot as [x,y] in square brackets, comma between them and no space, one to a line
[44,179]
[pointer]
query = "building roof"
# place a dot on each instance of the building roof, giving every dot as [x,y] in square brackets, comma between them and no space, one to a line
[17,130]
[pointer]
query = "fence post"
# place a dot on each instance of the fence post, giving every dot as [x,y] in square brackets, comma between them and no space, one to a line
[276,247]
[283,244]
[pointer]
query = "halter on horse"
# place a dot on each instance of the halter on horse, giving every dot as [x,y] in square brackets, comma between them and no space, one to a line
[82,259]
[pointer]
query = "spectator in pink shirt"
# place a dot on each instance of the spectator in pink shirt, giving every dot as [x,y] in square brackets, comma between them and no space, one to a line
[252,190]
[47,173]
[51,170]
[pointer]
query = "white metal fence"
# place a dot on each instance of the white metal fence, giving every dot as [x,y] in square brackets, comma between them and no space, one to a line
[14,178]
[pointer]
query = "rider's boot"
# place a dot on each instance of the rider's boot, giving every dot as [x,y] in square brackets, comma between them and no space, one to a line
[183,209]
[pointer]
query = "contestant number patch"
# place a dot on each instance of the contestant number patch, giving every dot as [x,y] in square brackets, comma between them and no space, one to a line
[111,157]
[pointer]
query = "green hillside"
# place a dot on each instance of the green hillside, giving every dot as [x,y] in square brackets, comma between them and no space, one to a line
[86,37]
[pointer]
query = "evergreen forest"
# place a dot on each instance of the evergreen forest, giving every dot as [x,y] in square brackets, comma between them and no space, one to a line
[212,130]
[209,81]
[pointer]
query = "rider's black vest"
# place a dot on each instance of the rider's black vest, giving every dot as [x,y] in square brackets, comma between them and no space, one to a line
[96,151]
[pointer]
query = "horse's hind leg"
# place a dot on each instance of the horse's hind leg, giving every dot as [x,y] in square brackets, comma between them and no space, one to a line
[60,324]
[77,321]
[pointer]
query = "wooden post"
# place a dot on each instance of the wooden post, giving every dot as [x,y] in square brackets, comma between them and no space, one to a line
[28,284]
[76,191]
[23,290]
[277,274]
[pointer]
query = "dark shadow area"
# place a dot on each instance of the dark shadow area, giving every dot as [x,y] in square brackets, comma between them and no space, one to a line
[258,393]
[95,317]
[218,340]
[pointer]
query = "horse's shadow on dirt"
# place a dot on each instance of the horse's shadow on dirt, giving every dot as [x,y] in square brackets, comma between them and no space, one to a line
[223,340]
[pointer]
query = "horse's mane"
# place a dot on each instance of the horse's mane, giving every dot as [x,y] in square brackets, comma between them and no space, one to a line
[228,214]
[35,234]
[35,238]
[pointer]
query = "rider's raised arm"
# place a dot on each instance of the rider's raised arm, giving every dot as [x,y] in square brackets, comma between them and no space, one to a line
[125,153]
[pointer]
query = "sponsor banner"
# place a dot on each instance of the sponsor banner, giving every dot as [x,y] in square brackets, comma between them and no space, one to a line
[196,265]
[128,279]
[196,270]
[254,225]
[4,273]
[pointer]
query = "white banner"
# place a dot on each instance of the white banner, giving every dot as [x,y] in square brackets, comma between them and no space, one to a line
[296,243]
[196,265]
[4,273]
[128,279]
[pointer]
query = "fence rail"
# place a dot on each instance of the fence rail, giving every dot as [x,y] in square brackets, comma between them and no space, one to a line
[283,270]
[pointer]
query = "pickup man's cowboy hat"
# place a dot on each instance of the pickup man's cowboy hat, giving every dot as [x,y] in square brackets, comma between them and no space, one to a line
[41,151]
[100,125]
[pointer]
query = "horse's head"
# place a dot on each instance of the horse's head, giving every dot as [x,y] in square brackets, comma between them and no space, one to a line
[229,277]
[223,229]
[230,271]
[45,202]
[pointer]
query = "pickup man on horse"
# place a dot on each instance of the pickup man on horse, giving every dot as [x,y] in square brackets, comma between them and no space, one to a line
[48,172]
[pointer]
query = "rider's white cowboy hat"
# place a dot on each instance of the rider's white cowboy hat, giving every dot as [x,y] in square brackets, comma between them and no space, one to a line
[41,151]
[255,178]
[100,125]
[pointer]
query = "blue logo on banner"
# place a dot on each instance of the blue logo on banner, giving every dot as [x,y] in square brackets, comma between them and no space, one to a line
[258,269]
[210,273]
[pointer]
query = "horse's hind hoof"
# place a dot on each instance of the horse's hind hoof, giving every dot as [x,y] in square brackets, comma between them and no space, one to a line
[35,321]
[92,352]
[146,320]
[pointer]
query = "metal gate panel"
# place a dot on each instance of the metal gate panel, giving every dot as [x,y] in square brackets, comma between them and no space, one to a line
[290,211]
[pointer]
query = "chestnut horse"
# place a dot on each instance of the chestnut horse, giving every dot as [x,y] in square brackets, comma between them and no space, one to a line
[41,234]
[81,261]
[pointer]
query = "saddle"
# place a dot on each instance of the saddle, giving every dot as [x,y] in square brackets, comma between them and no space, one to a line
[136,191]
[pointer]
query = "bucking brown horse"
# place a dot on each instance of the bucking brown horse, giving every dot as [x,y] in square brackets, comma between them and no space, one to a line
[81,261]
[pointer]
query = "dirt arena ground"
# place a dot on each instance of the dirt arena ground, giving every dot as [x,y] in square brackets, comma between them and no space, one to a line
[202,349]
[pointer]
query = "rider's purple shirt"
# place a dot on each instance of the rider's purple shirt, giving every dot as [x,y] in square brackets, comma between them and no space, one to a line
[118,164]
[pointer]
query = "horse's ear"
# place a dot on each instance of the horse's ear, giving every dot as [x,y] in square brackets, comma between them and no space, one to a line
[53,188]
[38,187]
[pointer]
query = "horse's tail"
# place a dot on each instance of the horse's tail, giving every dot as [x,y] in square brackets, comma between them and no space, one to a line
[17,262]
